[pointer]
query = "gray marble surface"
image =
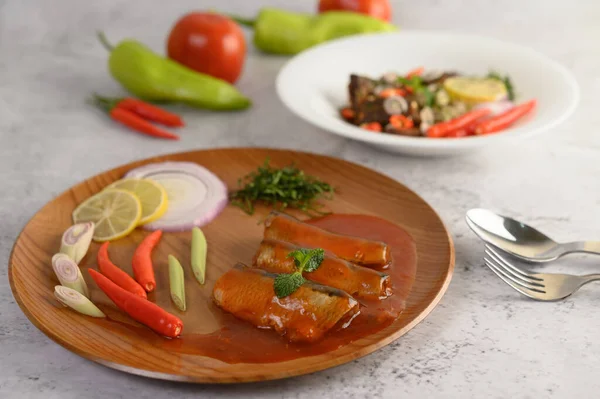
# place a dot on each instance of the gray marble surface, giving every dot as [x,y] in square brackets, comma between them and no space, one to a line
[482,341]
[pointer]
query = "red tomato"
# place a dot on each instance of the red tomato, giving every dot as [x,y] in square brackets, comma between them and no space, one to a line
[376,8]
[208,43]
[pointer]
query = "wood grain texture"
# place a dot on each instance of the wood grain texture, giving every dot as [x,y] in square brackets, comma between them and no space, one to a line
[232,237]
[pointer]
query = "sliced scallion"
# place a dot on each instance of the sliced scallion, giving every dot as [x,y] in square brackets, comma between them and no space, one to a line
[73,299]
[177,283]
[198,257]
[68,273]
[76,240]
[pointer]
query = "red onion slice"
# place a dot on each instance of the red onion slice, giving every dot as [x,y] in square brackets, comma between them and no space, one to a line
[196,195]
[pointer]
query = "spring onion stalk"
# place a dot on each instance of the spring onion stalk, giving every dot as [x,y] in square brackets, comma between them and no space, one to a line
[177,283]
[198,257]
[73,299]
[68,273]
[76,240]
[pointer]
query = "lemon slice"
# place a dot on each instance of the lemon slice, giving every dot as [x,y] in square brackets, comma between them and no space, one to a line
[115,212]
[150,193]
[475,90]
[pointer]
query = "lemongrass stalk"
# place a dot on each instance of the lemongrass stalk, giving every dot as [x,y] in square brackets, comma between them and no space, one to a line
[177,283]
[68,273]
[198,257]
[76,240]
[73,299]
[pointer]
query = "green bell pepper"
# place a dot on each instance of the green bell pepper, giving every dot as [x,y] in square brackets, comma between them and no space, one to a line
[154,78]
[283,32]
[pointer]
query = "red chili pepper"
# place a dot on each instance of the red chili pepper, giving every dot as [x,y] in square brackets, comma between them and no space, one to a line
[150,112]
[464,132]
[443,128]
[144,311]
[133,121]
[145,110]
[505,119]
[468,130]
[116,275]
[415,72]
[401,122]
[372,126]
[347,113]
[389,92]
[142,261]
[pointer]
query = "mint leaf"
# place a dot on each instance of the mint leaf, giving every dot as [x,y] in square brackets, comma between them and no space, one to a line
[287,284]
[299,256]
[315,257]
[306,260]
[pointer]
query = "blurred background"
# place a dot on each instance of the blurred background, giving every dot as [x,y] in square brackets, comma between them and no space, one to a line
[51,137]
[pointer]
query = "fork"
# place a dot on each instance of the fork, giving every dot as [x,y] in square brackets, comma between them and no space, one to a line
[539,286]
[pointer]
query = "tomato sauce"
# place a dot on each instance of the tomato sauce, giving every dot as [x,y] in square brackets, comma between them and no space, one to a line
[236,341]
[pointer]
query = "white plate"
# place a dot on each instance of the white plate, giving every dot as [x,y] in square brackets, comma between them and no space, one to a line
[314,83]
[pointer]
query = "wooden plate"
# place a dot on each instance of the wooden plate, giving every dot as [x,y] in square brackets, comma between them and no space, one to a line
[122,345]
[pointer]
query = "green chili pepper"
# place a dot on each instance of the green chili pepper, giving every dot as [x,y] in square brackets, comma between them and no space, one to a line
[283,32]
[154,78]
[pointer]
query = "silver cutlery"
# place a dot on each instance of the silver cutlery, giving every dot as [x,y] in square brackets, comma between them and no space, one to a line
[521,240]
[540,286]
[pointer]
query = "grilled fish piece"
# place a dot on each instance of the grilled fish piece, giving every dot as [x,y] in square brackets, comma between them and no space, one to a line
[353,249]
[272,256]
[306,315]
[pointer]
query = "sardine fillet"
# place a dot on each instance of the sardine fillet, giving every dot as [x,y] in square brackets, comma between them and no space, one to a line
[272,256]
[306,315]
[353,249]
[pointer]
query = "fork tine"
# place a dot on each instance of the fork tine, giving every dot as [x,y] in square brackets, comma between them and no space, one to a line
[520,289]
[503,261]
[495,266]
[507,267]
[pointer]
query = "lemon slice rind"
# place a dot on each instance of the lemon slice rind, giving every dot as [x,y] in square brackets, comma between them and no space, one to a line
[115,212]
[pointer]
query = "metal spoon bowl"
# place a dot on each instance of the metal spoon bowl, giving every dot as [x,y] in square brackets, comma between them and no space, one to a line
[521,240]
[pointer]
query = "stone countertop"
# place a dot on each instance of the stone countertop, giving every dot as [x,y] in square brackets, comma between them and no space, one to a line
[483,340]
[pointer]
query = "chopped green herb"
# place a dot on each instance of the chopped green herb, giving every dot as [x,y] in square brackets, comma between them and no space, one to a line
[288,187]
[507,83]
[418,87]
[306,260]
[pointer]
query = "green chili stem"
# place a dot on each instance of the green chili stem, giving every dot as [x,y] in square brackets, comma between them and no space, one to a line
[198,257]
[250,23]
[177,283]
[104,41]
[105,103]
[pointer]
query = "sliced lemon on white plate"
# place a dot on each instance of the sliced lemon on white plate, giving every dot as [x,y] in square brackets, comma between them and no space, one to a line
[475,90]
[151,194]
[115,212]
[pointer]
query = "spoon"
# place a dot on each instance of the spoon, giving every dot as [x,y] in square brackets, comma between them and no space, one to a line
[521,240]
